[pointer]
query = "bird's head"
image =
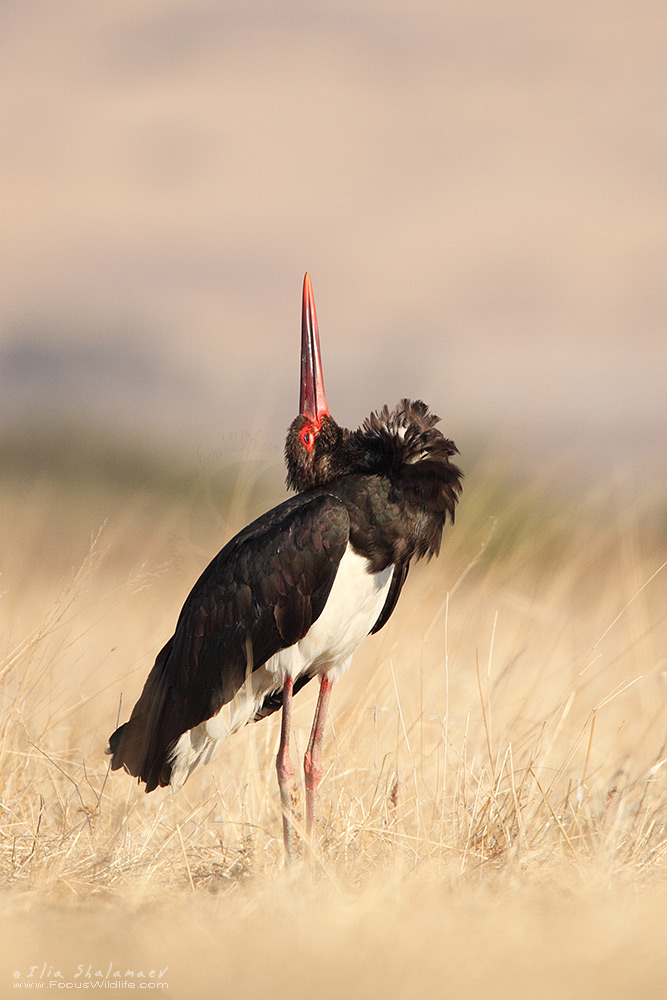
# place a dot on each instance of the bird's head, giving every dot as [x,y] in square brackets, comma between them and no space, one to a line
[314,437]
[403,445]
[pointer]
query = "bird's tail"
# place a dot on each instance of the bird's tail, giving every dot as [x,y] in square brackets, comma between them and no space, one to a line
[138,745]
[127,747]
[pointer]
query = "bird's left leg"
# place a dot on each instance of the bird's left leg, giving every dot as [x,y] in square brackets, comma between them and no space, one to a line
[312,762]
[285,769]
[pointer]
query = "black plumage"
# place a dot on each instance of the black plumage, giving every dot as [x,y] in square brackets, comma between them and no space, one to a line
[260,594]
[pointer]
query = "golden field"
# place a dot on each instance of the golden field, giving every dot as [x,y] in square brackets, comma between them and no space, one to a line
[494,808]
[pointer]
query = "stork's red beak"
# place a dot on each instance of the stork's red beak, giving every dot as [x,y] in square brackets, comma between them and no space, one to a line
[312,401]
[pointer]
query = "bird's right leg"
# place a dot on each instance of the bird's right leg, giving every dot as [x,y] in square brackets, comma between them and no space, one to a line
[312,763]
[285,769]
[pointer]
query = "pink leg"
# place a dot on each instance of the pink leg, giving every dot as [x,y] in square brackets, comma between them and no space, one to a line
[285,769]
[312,762]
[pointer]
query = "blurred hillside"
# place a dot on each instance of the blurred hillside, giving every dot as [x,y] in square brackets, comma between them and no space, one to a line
[477,191]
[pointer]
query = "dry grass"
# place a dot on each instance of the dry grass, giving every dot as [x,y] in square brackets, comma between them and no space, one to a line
[494,811]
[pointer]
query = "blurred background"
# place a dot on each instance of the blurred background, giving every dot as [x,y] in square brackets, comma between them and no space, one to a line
[478,191]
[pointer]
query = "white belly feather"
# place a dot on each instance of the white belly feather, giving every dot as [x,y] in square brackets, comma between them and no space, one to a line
[354,605]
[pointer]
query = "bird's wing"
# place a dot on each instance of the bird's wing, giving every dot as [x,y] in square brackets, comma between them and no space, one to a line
[260,594]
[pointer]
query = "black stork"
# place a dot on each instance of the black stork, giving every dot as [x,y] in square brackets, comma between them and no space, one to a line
[294,593]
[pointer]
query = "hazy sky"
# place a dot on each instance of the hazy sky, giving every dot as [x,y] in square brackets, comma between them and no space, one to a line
[478,191]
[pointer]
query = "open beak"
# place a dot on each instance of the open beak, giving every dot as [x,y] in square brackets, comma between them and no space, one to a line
[312,401]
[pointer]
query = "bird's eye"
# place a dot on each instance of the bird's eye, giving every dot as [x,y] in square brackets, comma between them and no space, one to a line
[307,438]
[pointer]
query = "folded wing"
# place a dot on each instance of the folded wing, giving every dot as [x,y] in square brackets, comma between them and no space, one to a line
[259,595]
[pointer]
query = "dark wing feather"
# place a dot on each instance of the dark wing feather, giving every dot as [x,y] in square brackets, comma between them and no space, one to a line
[260,594]
[395,588]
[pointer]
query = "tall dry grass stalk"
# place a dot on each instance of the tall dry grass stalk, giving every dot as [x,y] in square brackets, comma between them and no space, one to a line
[496,779]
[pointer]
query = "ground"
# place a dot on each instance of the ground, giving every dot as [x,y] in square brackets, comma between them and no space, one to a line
[493,811]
